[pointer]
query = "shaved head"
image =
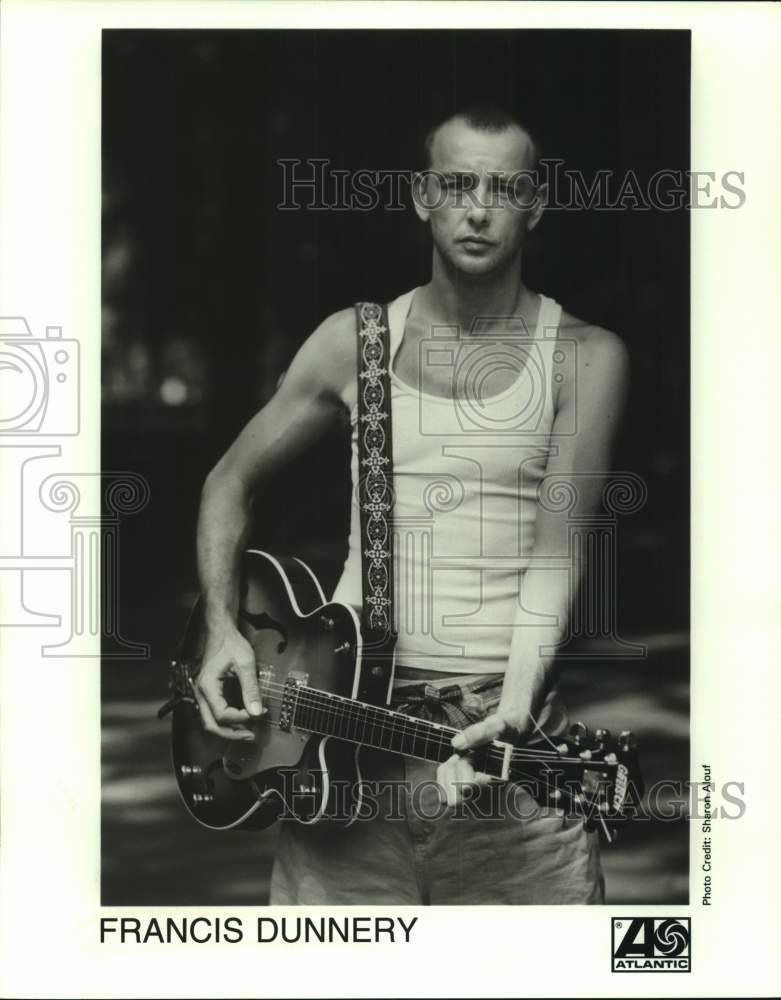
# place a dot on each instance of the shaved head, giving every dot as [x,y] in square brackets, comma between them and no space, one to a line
[484,118]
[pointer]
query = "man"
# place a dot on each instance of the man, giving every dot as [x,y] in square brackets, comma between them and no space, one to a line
[496,395]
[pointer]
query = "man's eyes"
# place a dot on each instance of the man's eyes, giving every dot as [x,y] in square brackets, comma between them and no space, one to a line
[497,185]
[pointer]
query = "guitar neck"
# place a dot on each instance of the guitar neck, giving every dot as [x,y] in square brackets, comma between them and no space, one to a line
[382,728]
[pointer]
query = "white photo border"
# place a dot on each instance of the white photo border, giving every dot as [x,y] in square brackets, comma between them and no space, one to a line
[50,213]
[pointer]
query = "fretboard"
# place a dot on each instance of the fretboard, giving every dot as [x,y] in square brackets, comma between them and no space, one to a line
[382,728]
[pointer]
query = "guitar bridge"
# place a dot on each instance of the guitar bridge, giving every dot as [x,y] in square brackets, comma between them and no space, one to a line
[295,679]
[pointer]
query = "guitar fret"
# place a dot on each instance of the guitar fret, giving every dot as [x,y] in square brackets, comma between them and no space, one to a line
[340,717]
[396,735]
[358,724]
[414,737]
[372,725]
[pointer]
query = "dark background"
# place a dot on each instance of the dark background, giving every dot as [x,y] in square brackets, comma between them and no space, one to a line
[209,289]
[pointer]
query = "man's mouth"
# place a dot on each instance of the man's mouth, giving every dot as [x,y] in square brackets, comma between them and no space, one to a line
[481,240]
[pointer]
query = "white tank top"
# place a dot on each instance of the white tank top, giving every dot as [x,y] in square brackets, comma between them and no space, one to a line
[466,472]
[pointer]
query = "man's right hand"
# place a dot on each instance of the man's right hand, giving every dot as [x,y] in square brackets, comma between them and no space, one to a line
[228,654]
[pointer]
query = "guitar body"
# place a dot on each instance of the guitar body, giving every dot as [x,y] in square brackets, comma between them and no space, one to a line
[325,697]
[300,641]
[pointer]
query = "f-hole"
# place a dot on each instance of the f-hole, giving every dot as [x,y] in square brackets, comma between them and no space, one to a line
[265,621]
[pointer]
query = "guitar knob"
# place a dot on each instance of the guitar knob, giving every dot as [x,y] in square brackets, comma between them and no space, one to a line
[327,623]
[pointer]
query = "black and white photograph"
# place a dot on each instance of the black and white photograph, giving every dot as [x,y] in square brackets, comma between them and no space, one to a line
[388,580]
[420,563]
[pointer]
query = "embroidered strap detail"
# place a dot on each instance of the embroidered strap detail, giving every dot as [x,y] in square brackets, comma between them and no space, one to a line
[375,478]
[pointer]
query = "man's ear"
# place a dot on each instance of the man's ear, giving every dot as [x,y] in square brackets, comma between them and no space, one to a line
[540,201]
[421,195]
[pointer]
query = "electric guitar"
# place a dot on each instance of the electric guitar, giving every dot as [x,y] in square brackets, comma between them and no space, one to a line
[323,704]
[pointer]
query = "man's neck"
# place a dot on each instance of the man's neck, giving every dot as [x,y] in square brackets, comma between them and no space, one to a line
[453,298]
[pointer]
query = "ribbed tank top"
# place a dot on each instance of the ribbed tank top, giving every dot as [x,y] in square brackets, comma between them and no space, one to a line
[466,472]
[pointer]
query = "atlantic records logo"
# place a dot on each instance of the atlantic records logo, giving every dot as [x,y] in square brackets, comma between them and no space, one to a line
[651,944]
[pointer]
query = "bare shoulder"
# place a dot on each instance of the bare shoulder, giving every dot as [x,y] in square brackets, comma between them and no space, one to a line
[597,363]
[600,351]
[325,361]
[334,339]
[595,342]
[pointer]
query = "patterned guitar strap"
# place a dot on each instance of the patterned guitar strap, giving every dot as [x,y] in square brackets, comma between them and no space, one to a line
[375,497]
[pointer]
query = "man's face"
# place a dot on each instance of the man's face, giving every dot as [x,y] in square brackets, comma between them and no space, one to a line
[481,203]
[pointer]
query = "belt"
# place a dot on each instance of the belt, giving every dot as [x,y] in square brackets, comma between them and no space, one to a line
[458,701]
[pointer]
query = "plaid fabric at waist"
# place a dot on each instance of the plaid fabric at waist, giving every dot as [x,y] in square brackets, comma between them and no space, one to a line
[456,702]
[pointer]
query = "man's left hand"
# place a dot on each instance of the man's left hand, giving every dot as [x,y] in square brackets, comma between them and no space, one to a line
[457,773]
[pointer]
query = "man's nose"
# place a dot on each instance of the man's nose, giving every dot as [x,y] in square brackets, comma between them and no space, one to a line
[477,205]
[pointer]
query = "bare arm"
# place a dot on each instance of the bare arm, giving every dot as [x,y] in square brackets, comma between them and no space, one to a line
[583,461]
[309,400]
[601,377]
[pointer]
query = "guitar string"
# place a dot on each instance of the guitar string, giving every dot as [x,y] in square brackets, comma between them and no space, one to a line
[409,724]
[383,729]
[392,723]
[315,701]
[354,709]
[316,697]
[353,715]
